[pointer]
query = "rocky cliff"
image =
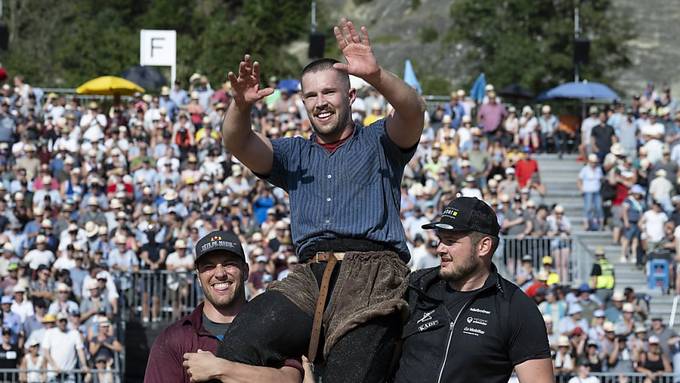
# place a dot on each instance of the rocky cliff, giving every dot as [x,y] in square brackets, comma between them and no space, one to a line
[413,29]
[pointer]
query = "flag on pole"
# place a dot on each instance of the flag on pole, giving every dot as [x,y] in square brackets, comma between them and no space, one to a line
[410,77]
[477,92]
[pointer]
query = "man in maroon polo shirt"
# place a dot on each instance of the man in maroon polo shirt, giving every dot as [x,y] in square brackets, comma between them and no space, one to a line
[222,272]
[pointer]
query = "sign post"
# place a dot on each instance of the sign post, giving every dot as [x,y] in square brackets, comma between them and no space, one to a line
[159,48]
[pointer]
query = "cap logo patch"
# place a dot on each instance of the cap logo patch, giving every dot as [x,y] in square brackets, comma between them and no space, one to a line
[450,212]
[217,243]
[216,238]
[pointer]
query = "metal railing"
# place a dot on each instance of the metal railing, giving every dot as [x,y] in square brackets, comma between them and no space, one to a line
[674,311]
[12,375]
[157,295]
[579,259]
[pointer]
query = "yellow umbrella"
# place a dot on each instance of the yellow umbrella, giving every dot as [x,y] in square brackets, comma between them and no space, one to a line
[109,85]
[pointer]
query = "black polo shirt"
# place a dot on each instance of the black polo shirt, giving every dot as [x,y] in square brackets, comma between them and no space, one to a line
[490,331]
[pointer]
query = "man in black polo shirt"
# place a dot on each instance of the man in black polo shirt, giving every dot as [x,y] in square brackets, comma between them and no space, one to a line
[190,342]
[467,323]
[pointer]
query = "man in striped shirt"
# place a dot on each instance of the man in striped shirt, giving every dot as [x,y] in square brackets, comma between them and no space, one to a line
[343,184]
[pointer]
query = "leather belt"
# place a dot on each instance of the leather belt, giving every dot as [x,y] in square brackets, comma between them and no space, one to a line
[324,256]
[332,259]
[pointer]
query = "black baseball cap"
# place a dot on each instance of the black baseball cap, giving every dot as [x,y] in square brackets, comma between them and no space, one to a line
[467,214]
[220,241]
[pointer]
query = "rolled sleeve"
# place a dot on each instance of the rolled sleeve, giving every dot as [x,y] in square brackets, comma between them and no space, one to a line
[282,149]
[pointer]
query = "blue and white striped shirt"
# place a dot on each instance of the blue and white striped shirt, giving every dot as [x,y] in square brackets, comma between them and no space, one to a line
[350,193]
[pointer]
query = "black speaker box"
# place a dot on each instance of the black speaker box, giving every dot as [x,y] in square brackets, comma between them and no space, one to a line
[317,45]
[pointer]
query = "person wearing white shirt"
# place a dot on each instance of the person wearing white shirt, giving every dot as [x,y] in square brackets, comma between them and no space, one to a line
[40,255]
[21,306]
[583,375]
[651,225]
[181,262]
[63,348]
[660,188]
[589,182]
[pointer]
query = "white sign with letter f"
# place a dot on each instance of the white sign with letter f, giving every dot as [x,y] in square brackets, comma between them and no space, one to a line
[158,48]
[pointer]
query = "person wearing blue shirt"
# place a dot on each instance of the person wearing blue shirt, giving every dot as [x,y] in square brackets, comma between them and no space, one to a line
[10,319]
[343,184]
[455,110]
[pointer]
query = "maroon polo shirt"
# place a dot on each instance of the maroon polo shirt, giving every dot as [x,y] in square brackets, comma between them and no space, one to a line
[167,352]
[186,335]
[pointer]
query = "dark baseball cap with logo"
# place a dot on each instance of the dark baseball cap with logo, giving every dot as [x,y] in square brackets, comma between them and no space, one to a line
[220,241]
[467,214]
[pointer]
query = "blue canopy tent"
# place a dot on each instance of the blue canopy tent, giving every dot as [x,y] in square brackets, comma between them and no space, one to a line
[585,91]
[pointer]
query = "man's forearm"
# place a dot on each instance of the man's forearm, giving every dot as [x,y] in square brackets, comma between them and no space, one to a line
[236,126]
[252,149]
[232,372]
[404,99]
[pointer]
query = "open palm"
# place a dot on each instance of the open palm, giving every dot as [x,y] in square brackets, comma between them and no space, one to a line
[356,47]
[246,86]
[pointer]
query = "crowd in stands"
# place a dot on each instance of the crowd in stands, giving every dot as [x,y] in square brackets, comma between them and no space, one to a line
[102,203]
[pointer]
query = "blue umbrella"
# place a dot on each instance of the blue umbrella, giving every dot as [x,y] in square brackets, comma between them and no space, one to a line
[291,85]
[410,76]
[581,91]
[478,92]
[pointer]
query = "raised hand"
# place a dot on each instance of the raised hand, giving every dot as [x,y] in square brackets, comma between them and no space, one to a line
[356,47]
[246,87]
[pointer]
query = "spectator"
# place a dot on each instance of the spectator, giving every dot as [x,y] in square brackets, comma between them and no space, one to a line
[559,228]
[180,263]
[621,359]
[651,227]
[653,362]
[95,304]
[491,115]
[627,324]
[583,369]
[21,306]
[550,134]
[103,343]
[31,363]
[63,349]
[663,333]
[529,129]
[563,361]
[614,313]
[603,136]
[573,320]
[63,303]
[589,183]
[11,320]
[633,209]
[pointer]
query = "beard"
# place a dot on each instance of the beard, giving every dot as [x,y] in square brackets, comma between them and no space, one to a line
[462,270]
[335,128]
[225,300]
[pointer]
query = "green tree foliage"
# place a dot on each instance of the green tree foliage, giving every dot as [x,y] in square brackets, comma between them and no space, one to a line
[64,43]
[531,42]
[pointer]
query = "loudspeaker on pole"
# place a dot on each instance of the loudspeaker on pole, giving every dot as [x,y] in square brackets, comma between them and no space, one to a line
[317,45]
[581,51]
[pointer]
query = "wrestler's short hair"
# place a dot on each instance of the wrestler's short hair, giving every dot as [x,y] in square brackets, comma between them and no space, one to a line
[325,64]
